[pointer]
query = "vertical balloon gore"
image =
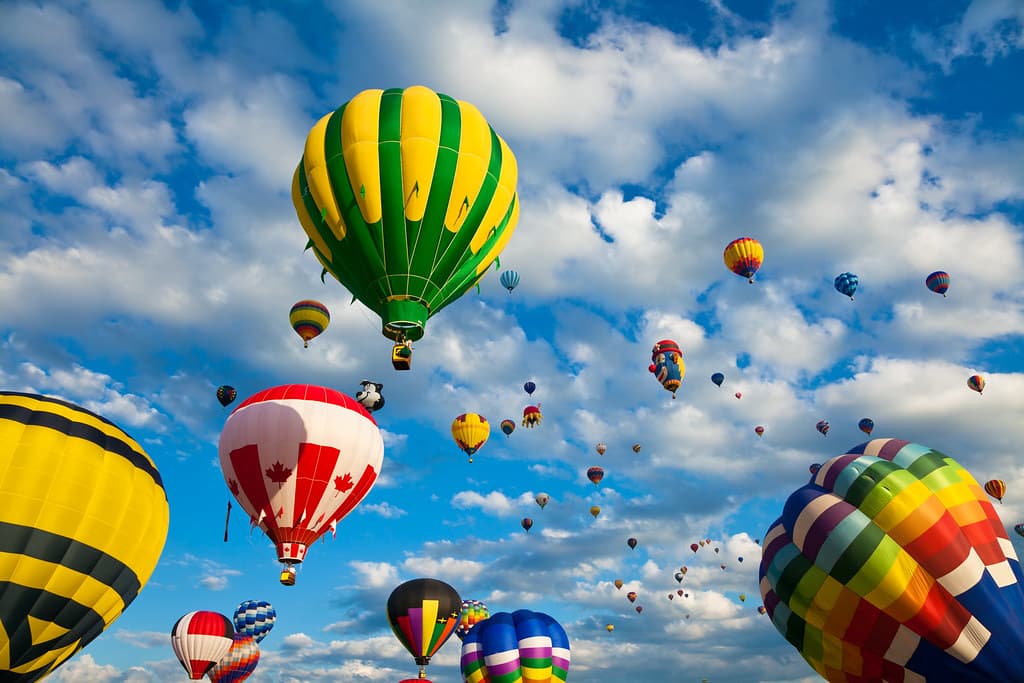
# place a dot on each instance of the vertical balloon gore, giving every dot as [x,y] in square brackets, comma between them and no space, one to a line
[744,257]
[423,614]
[521,646]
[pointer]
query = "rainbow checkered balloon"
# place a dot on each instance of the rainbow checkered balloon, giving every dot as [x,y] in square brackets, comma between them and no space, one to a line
[473,612]
[892,564]
[239,663]
[515,648]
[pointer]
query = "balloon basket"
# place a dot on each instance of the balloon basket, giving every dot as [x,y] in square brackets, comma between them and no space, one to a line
[401,356]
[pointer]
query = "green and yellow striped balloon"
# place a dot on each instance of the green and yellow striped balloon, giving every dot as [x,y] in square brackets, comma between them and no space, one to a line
[83,520]
[407,197]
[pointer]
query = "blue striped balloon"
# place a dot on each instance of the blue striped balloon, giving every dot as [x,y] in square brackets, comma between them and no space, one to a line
[255,618]
[509,280]
[521,646]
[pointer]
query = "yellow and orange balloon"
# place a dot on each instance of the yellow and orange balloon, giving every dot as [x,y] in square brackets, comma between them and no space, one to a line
[744,256]
[470,432]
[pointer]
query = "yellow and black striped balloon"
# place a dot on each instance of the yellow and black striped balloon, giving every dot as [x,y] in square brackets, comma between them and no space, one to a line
[83,520]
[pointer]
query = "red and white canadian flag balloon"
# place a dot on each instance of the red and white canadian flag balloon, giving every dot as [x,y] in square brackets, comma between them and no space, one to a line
[298,458]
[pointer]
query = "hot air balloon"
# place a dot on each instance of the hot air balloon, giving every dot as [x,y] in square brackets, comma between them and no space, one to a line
[631,542]
[529,388]
[716,550]
[680,592]
[473,612]
[639,609]
[309,319]
[423,614]
[718,378]
[83,520]
[618,583]
[631,596]
[938,282]
[601,448]
[679,577]
[532,416]
[526,523]
[1019,528]
[226,394]
[542,499]
[996,488]
[509,279]
[636,448]
[667,365]
[866,425]
[822,427]
[693,547]
[738,395]
[761,609]
[507,427]
[744,256]
[407,197]
[200,640]
[255,618]
[743,597]
[893,565]
[298,458]
[759,430]
[609,627]
[369,395]
[846,283]
[521,646]
[595,511]
[470,432]
[239,663]
[595,474]
[814,467]
[976,383]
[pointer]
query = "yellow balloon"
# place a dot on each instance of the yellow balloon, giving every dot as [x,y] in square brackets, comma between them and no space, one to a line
[470,432]
[83,520]
[595,511]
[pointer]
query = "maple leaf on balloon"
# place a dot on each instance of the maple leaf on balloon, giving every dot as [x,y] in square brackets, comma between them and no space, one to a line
[278,473]
[233,486]
[344,483]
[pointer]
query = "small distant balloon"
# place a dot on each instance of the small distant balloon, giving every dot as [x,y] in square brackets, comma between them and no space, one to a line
[509,279]
[976,383]
[814,467]
[529,388]
[718,378]
[822,427]
[609,627]
[532,416]
[667,365]
[601,448]
[846,283]
[618,583]
[938,282]
[743,256]
[693,547]
[226,394]
[679,577]
[738,395]
[761,609]
[595,511]
[507,427]
[636,448]
[542,499]
[526,523]
[309,319]
[743,597]
[866,425]
[996,488]
[639,609]
[595,474]
[631,542]
[631,596]
[759,430]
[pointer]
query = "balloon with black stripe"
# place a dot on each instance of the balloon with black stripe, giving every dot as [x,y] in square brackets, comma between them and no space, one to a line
[83,520]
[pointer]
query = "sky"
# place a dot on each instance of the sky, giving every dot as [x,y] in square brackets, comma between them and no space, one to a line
[149,252]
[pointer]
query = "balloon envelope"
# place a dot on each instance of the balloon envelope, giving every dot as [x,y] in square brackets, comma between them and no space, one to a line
[595,474]
[407,197]
[507,427]
[470,432]
[521,646]
[529,388]
[743,256]
[846,283]
[976,383]
[542,499]
[200,640]
[718,378]
[309,319]
[226,394]
[866,425]
[83,520]
[239,663]
[938,282]
[892,564]
[423,614]
[473,612]
[526,523]
[509,279]
[996,488]
[255,618]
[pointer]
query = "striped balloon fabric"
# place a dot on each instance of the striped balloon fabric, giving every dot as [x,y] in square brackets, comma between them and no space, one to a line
[509,279]
[892,564]
[517,647]
[239,663]
[743,256]
[938,282]
[255,618]
[200,640]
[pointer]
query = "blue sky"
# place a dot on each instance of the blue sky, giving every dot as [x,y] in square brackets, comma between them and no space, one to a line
[149,252]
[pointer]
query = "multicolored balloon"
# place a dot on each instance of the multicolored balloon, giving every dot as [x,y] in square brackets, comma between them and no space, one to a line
[636,448]
[866,425]
[200,640]
[595,474]
[822,427]
[631,542]
[470,432]
[507,427]
[846,283]
[255,618]
[309,319]
[407,197]
[938,282]
[631,596]
[473,612]
[509,280]
[423,614]
[595,510]
[526,523]
[601,448]
[226,394]
[618,583]
[759,430]
[532,416]
[996,488]
[744,256]
[542,499]
[717,379]
[83,521]
[521,646]
[298,458]
[667,365]
[238,664]
[892,564]
[976,383]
